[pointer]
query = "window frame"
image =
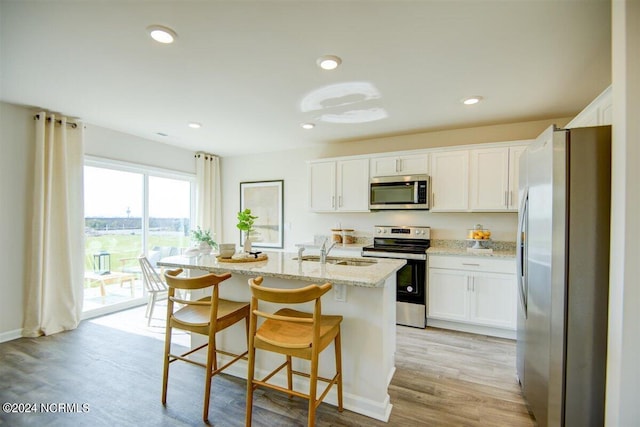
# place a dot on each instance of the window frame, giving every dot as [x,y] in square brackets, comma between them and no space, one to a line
[146,171]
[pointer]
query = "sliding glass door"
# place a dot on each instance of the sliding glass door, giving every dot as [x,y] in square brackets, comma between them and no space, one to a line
[130,210]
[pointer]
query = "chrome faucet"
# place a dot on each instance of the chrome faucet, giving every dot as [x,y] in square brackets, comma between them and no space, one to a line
[300,250]
[324,251]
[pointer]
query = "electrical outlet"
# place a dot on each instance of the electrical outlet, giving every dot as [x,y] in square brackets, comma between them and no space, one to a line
[340,292]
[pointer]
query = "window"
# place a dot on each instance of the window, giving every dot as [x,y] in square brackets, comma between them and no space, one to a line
[128,208]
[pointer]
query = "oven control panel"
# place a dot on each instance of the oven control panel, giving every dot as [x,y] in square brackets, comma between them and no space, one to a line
[403,232]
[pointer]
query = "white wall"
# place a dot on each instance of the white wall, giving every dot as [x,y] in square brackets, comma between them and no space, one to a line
[623,369]
[110,144]
[301,225]
[17,132]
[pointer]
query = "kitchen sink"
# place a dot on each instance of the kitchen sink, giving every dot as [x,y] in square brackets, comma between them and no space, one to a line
[353,262]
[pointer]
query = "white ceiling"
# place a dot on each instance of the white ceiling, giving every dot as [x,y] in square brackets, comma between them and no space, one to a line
[243,68]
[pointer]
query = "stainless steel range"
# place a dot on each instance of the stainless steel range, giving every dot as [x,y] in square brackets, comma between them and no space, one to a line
[410,243]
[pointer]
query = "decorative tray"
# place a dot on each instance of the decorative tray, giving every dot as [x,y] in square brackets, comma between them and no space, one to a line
[250,258]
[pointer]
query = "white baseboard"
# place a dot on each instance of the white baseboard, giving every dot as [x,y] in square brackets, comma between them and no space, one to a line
[10,335]
[474,329]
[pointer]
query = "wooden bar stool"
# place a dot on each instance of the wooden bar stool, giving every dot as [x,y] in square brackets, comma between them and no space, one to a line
[294,334]
[206,316]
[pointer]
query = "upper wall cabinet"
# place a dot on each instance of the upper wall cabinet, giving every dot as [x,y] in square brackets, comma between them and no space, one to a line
[514,173]
[400,165]
[493,174]
[450,181]
[597,113]
[482,178]
[340,185]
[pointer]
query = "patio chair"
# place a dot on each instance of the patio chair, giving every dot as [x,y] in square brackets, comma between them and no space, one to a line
[153,282]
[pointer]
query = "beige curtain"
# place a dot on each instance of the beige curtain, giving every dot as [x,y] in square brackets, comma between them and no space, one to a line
[53,296]
[208,206]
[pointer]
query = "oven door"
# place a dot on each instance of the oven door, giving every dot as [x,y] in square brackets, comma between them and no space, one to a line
[411,286]
[411,309]
[411,282]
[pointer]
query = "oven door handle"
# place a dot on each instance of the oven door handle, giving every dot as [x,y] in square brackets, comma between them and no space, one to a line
[395,255]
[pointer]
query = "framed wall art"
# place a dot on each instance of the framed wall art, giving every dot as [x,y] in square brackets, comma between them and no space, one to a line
[266,201]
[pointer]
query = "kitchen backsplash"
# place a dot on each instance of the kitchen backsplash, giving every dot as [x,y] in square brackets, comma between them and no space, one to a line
[364,239]
[361,239]
[463,244]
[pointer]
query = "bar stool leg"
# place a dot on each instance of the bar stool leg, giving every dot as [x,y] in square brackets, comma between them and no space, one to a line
[211,365]
[289,376]
[338,349]
[313,385]
[250,369]
[165,372]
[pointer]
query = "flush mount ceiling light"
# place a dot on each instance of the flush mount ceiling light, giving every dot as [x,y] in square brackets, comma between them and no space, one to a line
[329,62]
[472,100]
[307,125]
[162,34]
[194,125]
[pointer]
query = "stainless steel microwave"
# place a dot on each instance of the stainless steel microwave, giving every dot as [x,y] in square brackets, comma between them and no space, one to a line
[399,192]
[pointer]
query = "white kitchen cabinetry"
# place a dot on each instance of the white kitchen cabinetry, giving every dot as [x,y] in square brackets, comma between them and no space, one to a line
[400,165]
[340,185]
[450,181]
[473,294]
[514,172]
[597,113]
[493,174]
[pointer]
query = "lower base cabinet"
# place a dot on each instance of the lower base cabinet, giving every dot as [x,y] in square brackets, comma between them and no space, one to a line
[472,291]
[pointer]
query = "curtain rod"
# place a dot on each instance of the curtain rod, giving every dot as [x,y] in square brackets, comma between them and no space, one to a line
[73,125]
[207,156]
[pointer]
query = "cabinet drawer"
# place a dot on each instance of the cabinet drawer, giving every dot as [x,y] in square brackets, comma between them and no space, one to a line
[470,263]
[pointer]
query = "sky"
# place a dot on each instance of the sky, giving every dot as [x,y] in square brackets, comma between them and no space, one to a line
[114,193]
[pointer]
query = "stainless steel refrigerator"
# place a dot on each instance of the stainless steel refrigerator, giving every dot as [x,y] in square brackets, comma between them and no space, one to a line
[563,275]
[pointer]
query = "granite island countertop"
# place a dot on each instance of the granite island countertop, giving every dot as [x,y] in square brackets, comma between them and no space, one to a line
[459,248]
[284,266]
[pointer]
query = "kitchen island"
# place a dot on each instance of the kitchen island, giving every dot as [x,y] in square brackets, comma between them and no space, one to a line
[364,293]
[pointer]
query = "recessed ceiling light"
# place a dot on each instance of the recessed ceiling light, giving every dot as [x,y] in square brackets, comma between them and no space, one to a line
[472,100]
[162,34]
[329,62]
[307,125]
[194,125]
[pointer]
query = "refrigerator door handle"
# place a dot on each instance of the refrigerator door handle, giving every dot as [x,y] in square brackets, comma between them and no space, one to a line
[520,250]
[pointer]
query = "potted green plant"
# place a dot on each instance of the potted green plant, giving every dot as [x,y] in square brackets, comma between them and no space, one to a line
[204,239]
[245,223]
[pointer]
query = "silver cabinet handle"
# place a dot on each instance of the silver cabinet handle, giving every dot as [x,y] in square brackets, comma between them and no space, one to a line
[397,168]
[506,198]
[339,201]
[473,265]
[333,201]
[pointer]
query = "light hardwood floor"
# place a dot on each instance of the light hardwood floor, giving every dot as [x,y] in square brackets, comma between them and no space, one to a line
[443,378]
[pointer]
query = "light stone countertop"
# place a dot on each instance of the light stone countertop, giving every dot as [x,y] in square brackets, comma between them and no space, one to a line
[355,247]
[459,248]
[284,266]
